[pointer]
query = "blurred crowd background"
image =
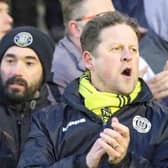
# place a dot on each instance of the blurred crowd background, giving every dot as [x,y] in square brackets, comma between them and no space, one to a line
[44,14]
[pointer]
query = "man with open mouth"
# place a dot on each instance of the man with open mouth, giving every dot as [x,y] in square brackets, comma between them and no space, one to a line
[108,118]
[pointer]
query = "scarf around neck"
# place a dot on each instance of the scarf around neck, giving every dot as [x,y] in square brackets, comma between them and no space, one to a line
[104,104]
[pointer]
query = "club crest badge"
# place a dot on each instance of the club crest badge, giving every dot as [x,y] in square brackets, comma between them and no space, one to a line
[141,124]
[23,39]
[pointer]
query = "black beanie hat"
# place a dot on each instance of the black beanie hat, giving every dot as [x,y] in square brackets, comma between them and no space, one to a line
[30,37]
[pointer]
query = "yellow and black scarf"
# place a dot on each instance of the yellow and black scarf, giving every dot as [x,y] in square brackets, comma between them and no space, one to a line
[103,104]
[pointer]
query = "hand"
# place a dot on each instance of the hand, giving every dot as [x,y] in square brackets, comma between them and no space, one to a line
[95,154]
[166,66]
[159,85]
[115,141]
[142,31]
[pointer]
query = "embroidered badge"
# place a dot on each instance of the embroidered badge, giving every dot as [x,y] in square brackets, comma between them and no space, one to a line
[106,113]
[23,39]
[141,124]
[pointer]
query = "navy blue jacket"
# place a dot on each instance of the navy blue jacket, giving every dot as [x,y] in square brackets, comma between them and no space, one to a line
[62,137]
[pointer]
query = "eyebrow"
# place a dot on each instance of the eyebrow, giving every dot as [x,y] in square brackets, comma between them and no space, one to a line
[9,55]
[26,57]
[31,57]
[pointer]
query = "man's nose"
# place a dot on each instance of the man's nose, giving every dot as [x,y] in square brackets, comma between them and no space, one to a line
[9,19]
[18,69]
[126,55]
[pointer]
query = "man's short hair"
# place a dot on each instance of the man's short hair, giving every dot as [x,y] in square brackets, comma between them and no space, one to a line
[70,8]
[90,35]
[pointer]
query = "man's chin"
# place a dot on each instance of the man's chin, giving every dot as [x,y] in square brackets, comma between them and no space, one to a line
[16,96]
[16,92]
[127,90]
[16,99]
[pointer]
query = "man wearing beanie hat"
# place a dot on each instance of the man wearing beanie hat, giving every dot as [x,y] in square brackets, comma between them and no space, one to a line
[5,19]
[25,61]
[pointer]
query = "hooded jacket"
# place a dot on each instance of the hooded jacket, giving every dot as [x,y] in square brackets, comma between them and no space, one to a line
[15,125]
[62,137]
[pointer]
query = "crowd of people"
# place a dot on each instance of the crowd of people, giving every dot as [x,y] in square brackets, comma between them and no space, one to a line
[90,93]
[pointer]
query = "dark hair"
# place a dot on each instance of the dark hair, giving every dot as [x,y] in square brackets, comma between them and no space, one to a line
[90,35]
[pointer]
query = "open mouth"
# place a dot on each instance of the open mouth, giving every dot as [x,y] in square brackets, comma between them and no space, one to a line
[126,72]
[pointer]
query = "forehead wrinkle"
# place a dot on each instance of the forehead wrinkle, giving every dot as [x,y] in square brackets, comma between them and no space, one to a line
[117,37]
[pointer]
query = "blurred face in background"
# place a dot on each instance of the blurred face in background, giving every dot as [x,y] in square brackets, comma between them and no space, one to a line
[5,19]
[87,11]
[90,9]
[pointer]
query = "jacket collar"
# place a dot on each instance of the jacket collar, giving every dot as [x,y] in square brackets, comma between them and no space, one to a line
[68,44]
[35,103]
[72,97]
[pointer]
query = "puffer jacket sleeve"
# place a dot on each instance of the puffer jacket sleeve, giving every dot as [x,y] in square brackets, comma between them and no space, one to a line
[160,160]
[134,161]
[38,151]
[159,150]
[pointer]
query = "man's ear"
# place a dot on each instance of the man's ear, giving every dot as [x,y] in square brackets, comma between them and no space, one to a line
[88,60]
[74,29]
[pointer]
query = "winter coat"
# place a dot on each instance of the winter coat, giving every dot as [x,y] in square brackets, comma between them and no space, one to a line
[62,137]
[15,125]
[67,63]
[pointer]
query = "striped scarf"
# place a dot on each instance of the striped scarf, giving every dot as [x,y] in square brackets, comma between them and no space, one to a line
[104,104]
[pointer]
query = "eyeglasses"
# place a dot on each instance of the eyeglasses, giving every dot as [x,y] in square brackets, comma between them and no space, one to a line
[90,17]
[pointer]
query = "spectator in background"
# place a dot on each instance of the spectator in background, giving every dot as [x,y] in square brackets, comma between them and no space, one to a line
[25,61]
[6,20]
[26,13]
[133,9]
[154,47]
[109,119]
[67,62]
[54,19]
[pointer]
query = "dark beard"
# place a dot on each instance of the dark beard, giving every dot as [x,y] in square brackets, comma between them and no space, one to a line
[14,96]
